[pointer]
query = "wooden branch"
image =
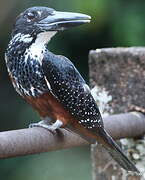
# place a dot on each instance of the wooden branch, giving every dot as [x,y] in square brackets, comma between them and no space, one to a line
[37,140]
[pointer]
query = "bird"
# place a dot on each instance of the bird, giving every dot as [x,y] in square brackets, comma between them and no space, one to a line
[51,84]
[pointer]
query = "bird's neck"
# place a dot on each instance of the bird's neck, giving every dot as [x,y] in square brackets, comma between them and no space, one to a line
[30,46]
[24,59]
[38,48]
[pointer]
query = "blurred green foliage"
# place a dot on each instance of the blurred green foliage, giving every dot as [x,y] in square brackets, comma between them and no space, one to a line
[114,23]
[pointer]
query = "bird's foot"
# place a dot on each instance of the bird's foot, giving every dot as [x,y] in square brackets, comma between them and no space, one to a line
[49,127]
[40,123]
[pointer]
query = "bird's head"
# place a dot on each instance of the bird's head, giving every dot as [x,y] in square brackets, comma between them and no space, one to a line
[39,20]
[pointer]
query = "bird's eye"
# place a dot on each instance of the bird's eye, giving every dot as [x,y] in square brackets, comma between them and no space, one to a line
[31,16]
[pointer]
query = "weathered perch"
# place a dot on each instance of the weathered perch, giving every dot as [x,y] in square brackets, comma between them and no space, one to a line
[37,140]
[121,73]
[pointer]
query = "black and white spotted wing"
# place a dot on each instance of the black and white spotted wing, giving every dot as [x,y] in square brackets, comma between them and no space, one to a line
[70,89]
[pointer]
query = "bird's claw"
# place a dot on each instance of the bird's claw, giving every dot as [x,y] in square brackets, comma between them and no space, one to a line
[49,127]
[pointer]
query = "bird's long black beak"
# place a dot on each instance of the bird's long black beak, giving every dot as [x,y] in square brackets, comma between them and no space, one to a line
[63,20]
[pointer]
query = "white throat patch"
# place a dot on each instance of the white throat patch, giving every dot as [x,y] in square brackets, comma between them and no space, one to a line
[42,39]
[35,50]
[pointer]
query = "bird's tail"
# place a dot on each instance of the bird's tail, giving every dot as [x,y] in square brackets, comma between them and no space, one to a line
[102,137]
[116,152]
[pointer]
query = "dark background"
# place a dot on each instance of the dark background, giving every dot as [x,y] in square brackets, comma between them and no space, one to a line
[114,23]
